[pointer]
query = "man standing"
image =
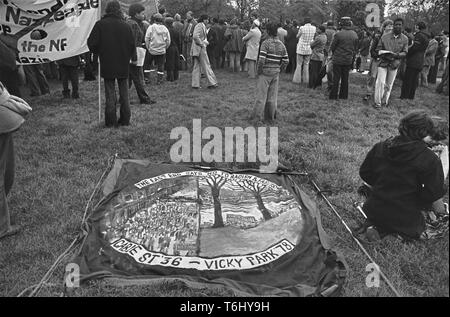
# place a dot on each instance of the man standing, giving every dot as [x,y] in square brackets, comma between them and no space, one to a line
[364,51]
[291,46]
[385,28]
[282,33]
[330,31]
[157,40]
[343,48]
[317,58]
[35,73]
[219,29]
[211,37]
[173,52]
[252,40]
[136,13]
[188,32]
[392,48]
[414,62]
[272,60]
[429,60]
[200,56]
[112,39]
[306,37]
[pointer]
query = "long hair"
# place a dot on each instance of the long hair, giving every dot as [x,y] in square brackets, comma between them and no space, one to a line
[416,125]
[113,8]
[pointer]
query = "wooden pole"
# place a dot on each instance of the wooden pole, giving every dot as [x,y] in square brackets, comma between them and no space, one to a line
[99,77]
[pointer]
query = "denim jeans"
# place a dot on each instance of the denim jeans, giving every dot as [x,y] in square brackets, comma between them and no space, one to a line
[340,76]
[69,73]
[111,100]
[266,97]
[301,74]
[383,86]
[137,78]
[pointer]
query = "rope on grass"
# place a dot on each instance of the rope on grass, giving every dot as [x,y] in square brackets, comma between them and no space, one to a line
[383,276]
[32,286]
[44,281]
[110,162]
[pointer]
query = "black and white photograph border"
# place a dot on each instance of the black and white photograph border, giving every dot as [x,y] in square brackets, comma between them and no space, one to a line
[334,112]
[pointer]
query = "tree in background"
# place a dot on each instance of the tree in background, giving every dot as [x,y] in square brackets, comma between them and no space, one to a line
[214,8]
[356,9]
[433,12]
[280,10]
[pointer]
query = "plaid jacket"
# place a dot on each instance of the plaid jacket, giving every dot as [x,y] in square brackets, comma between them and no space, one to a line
[306,37]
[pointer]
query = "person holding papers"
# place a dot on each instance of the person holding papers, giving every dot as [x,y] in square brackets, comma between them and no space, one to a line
[392,48]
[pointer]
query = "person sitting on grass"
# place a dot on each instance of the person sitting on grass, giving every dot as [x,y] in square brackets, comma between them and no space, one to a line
[404,177]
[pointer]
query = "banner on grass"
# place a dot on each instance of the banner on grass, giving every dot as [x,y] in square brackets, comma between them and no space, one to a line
[63,26]
[254,234]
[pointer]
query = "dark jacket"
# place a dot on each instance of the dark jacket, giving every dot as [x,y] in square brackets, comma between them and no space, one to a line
[233,36]
[73,61]
[8,57]
[212,39]
[364,46]
[416,53]
[112,39]
[373,46]
[406,177]
[344,47]
[175,38]
[220,43]
[138,33]
[291,41]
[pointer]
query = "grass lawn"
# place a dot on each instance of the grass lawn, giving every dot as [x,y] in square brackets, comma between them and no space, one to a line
[62,151]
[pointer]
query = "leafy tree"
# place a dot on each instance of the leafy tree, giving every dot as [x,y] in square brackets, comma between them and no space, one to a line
[355,9]
[257,189]
[433,12]
[214,8]
[216,182]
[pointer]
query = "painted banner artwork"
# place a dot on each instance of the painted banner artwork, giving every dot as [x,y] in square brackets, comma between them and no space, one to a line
[63,27]
[161,220]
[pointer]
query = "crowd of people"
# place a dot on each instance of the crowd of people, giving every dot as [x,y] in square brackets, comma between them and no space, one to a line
[130,48]
[167,227]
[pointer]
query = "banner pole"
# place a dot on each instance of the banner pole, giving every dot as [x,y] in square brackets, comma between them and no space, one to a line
[99,94]
[98,71]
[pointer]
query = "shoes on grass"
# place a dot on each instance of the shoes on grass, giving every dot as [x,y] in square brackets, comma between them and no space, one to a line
[13,230]
[148,102]
[372,234]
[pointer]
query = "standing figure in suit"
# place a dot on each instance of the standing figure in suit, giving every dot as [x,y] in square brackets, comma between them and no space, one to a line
[200,56]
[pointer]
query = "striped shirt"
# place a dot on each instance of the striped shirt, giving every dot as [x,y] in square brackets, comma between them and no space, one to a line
[273,57]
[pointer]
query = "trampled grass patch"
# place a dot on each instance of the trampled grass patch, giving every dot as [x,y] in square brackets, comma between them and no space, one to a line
[63,150]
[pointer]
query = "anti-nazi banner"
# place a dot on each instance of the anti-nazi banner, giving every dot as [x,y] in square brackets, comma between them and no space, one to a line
[48,30]
[255,234]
